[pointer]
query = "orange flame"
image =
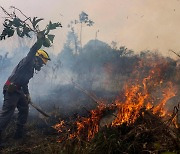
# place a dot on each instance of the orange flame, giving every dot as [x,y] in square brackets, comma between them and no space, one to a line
[89,125]
[138,95]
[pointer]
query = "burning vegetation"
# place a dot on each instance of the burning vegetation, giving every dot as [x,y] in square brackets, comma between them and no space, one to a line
[137,119]
[102,99]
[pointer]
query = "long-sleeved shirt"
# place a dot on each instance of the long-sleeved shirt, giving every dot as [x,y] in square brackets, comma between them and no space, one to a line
[24,71]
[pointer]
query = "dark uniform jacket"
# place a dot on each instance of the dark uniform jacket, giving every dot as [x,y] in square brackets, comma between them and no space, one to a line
[24,71]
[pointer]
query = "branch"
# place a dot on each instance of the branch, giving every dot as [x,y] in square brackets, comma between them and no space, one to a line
[23,27]
[19,11]
[12,16]
[27,18]
[5,11]
[174,53]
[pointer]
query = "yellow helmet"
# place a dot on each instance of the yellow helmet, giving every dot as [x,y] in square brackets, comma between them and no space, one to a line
[43,55]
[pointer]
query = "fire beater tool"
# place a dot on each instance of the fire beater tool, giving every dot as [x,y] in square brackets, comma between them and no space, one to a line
[38,109]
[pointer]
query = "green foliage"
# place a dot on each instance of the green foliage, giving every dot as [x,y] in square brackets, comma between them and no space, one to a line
[83,18]
[35,21]
[12,24]
[46,42]
[51,37]
[52,26]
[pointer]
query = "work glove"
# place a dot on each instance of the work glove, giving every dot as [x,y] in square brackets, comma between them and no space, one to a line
[40,36]
[40,39]
[28,98]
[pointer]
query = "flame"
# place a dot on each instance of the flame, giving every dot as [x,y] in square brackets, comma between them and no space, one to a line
[128,110]
[137,96]
[168,93]
[59,126]
[174,121]
[90,124]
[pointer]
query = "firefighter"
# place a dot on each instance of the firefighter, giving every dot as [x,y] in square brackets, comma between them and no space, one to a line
[15,90]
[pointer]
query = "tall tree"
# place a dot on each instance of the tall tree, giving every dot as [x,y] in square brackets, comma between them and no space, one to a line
[83,21]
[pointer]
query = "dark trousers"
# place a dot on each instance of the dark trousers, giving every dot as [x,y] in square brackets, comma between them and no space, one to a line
[11,101]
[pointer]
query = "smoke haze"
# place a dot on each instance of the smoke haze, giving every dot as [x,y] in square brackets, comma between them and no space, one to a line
[139,25]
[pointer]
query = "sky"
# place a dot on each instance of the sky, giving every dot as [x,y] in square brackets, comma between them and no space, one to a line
[137,24]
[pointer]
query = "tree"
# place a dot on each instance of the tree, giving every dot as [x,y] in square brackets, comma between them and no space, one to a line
[83,21]
[24,26]
[72,38]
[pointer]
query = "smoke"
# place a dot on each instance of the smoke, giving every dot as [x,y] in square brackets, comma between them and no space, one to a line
[139,25]
[8,61]
[98,68]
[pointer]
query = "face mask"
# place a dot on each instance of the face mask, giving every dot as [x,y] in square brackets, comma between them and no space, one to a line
[38,64]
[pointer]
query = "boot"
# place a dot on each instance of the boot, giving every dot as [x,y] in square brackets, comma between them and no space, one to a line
[19,132]
[2,145]
[0,138]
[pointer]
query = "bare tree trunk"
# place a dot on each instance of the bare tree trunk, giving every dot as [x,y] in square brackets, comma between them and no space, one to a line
[81,36]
